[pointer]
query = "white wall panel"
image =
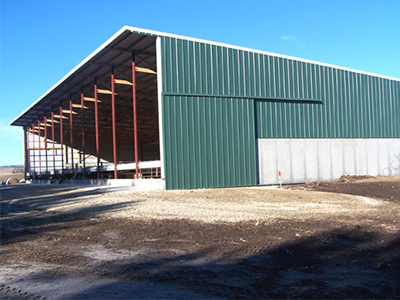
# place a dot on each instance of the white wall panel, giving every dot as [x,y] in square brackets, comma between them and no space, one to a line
[311,165]
[305,160]
[372,155]
[324,158]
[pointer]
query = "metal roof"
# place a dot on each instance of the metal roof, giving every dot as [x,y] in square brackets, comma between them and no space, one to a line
[117,52]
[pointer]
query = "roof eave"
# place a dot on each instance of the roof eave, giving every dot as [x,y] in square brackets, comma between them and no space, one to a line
[69,74]
[157,33]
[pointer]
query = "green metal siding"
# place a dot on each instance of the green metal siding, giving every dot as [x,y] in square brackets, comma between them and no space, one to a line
[194,68]
[209,142]
[211,126]
[353,106]
[295,99]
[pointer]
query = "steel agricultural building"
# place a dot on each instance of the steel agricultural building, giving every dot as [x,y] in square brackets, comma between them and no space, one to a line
[202,114]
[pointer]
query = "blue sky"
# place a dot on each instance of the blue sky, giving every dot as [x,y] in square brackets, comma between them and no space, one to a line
[41,41]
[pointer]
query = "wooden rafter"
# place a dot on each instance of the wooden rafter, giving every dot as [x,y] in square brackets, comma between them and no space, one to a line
[91,99]
[107,92]
[79,106]
[122,81]
[67,111]
[55,121]
[145,70]
[58,117]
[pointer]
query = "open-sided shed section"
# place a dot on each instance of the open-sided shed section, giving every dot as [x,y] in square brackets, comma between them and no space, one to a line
[93,120]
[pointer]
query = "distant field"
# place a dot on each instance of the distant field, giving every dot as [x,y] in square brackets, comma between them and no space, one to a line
[11,172]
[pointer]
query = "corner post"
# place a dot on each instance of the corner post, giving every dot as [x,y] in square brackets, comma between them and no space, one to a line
[26,151]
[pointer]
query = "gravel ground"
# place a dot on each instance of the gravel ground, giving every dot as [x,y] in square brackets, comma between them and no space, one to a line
[337,239]
[224,205]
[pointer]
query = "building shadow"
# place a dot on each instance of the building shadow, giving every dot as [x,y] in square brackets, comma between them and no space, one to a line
[336,264]
[24,209]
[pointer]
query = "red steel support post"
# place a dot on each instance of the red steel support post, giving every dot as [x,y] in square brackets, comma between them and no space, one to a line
[135,115]
[113,123]
[34,153]
[52,138]
[83,134]
[71,138]
[40,150]
[62,140]
[29,149]
[45,145]
[26,151]
[96,120]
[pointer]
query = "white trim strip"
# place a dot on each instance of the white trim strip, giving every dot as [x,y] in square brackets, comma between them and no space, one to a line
[159,97]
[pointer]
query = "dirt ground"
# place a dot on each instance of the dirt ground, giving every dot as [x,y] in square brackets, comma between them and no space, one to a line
[338,239]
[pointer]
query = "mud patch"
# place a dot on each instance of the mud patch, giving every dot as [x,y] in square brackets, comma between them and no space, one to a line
[327,245]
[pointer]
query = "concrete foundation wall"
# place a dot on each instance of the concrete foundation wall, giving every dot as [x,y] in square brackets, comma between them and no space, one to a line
[305,160]
[145,184]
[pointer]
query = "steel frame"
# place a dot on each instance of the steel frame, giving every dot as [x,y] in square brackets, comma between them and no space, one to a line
[83,132]
[26,152]
[45,145]
[34,154]
[96,120]
[71,136]
[124,70]
[40,154]
[135,115]
[52,137]
[62,140]
[113,123]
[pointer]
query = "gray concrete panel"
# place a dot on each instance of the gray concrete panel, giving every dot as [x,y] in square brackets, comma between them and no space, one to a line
[306,160]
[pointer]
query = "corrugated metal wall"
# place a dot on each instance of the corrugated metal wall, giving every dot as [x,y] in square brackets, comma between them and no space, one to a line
[353,106]
[209,142]
[293,99]
[310,100]
[202,69]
